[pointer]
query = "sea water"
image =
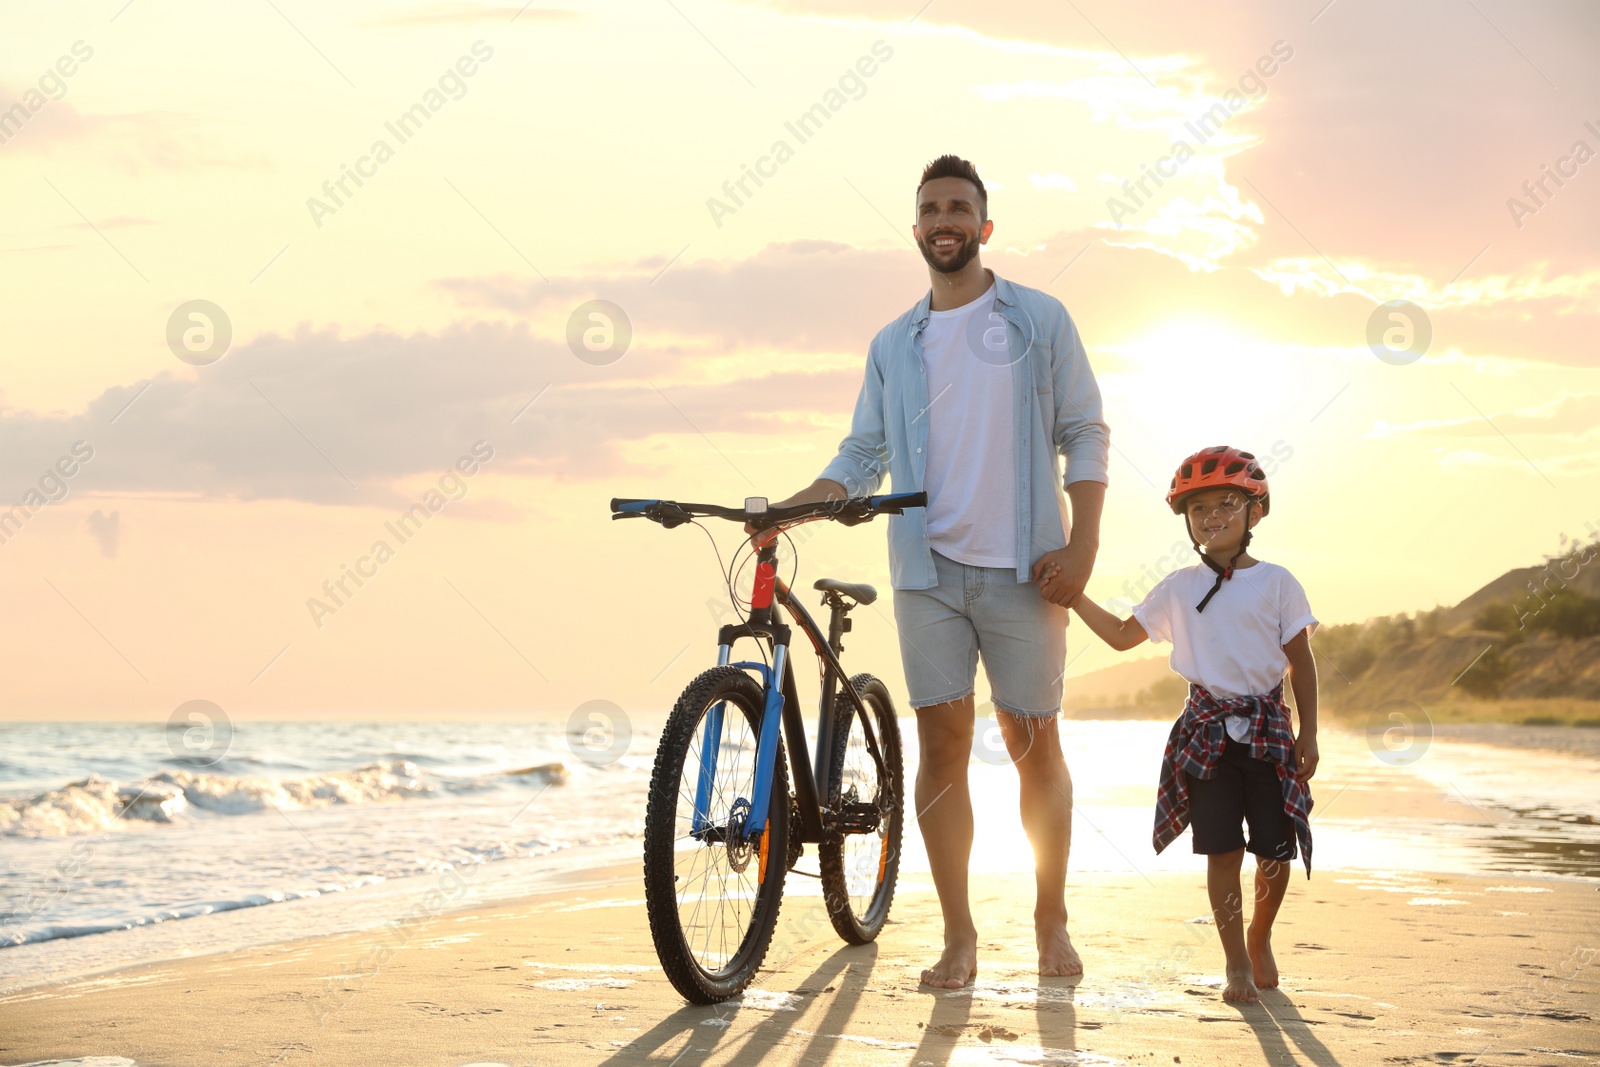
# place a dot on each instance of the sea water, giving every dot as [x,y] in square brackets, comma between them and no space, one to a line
[116,850]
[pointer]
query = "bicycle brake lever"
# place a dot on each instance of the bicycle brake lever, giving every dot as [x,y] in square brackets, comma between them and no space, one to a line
[670,515]
[853,514]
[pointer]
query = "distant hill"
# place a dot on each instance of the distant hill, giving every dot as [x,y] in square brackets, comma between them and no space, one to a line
[1117,686]
[1526,642]
[1517,586]
[1531,634]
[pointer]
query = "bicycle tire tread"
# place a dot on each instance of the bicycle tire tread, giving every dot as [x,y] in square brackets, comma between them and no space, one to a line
[660,814]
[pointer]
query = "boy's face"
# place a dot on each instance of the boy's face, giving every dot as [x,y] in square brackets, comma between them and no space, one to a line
[1218,518]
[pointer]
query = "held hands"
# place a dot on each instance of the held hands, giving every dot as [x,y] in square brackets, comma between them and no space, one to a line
[1051,585]
[1062,574]
[1305,756]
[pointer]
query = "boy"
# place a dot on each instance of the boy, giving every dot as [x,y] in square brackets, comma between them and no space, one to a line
[1231,755]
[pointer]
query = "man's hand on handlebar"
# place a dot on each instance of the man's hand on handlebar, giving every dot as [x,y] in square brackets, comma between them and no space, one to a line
[819,491]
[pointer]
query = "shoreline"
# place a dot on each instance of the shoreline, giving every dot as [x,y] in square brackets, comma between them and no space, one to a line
[1371,816]
[1374,965]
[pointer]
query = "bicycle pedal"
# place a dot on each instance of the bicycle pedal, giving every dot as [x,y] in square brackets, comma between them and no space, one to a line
[860,819]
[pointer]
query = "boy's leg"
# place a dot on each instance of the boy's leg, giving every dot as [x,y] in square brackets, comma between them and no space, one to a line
[944,815]
[1034,743]
[1216,812]
[1227,909]
[1272,881]
[1272,842]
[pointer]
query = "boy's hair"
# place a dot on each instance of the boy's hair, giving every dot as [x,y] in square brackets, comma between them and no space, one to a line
[948,166]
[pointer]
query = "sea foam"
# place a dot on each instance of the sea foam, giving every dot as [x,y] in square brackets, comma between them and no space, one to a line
[96,804]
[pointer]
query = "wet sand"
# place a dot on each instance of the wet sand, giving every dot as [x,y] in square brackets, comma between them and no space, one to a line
[1376,969]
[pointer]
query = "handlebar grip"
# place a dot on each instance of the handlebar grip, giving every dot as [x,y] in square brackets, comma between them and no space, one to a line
[896,503]
[630,505]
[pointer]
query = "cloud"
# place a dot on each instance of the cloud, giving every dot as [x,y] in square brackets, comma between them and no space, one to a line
[106,530]
[1392,138]
[806,296]
[1570,417]
[132,141]
[1053,180]
[333,420]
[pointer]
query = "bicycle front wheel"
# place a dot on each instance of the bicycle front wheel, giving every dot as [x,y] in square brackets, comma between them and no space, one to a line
[712,893]
[860,860]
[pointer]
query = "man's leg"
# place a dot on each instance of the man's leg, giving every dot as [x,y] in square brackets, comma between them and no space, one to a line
[944,814]
[1034,743]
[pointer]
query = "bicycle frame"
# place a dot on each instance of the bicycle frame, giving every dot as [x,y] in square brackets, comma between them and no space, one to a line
[782,705]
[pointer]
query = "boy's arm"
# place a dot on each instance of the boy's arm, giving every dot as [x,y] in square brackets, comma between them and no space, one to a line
[1303,680]
[1120,634]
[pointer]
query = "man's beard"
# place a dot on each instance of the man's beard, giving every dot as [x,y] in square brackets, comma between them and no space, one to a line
[964,254]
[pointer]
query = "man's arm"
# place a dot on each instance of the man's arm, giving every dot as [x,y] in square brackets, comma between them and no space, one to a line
[1081,436]
[823,489]
[1303,680]
[1080,433]
[863,459]
[1076,561]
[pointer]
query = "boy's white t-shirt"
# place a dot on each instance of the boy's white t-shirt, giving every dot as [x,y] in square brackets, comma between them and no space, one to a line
[1235,647]
[971,476]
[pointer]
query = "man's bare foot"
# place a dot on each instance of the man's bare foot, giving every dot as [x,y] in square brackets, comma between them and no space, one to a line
[1057,957]
[1240,988]
[1263,966]
[956,968]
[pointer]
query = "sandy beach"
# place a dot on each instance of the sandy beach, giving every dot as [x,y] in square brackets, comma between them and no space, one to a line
[1377,968]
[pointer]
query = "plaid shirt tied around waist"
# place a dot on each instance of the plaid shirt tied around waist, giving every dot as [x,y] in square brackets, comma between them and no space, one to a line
[1196,745]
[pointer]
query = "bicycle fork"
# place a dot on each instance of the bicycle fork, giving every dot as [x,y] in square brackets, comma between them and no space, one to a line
[766,746]
[771,716]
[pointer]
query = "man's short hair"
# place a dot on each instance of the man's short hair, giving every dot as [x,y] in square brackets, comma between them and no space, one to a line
[948,166]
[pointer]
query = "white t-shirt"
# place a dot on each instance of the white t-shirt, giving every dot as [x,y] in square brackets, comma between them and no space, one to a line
[1235,647]
[971,477]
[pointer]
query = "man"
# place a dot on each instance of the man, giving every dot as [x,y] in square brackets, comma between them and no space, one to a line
[969,396]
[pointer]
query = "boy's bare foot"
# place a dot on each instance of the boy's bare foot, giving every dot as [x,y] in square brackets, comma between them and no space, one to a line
[1057,957]
[956,968]
[1240,988]
[1263,966]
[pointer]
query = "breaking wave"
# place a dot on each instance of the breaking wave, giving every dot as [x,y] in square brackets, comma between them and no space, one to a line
[97,805]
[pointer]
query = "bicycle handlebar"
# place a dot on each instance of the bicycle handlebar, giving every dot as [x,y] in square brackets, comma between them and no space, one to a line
[850,510]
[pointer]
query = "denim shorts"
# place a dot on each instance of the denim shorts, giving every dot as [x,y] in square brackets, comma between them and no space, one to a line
[973,610]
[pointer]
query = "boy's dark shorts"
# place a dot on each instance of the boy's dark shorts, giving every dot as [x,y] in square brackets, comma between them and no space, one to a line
[1244,789]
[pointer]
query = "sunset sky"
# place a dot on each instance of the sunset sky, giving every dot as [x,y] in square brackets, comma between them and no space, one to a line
[1395,152]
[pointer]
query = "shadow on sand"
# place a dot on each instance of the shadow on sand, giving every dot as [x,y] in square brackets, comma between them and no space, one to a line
[691,1034]
[949,1021]
[1283,1020]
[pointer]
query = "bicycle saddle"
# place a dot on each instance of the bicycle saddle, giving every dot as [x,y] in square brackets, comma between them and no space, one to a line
[860,592]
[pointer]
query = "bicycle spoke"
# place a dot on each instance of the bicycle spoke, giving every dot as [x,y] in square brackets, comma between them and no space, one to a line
[713,914]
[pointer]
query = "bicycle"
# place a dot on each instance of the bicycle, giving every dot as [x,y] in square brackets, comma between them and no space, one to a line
[721,826]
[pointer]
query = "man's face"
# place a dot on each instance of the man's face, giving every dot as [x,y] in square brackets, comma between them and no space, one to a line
[947,230]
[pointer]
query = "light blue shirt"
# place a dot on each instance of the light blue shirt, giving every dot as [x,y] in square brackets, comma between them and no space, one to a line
[1057,412]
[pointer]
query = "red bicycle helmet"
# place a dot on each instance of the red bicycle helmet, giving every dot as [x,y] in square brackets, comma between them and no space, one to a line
[1212,468]
[1220,465]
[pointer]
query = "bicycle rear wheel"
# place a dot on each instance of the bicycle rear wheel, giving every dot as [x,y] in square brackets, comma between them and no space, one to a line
[860,860]
[712,896]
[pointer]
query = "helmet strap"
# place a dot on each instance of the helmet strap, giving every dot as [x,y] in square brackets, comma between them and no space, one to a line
[1223,573]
